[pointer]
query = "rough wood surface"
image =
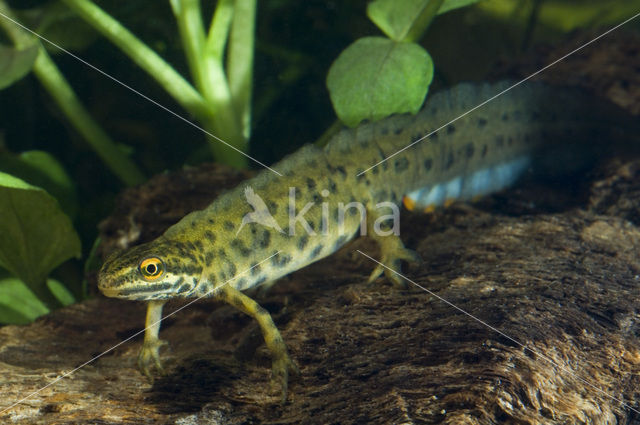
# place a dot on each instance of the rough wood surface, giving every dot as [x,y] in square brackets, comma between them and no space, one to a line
[555,267]
[564,283]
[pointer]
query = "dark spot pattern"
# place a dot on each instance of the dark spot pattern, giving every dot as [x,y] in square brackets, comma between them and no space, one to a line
[428,163]
[179,281]
[449,162]
[208,234]
[240,247]
[208,258]
[339,242]
[401,164]
[311,184]
[182,289]
[482,122]
[469,150]
[280,260]
[315,252]
[273,207]
[228,225]
[451,129]
[484,151]
[302,242]
[265,240]
[255,269]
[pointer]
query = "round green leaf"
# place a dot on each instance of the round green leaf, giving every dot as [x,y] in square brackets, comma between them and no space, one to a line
[36,235]
[15,64]
[376,77]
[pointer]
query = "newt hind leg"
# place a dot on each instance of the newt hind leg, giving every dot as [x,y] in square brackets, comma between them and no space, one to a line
[282,365]
[392,252]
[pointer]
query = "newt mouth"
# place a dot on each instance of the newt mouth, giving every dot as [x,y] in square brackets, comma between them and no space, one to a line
[110,292]
[145,293]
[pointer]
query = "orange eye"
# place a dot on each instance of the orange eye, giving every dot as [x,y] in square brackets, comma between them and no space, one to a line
[151,268]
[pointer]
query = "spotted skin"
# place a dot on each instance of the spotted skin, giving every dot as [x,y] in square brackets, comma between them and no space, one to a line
[202,255]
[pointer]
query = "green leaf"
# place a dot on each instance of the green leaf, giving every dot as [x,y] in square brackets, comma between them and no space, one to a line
[454,4]
[60,291]
[18,305]
[36,235]
[57,23]
[41,169]
[376,77]
[15,64]
[407,20]
[396,18]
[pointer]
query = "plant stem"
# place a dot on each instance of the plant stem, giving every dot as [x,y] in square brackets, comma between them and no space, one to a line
[58,87]
[210,79]
[189,19]
[240,61]
[144,57]
[54,82]
[219,29]
[423,20]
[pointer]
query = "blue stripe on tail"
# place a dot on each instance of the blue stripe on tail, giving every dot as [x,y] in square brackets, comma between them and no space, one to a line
[464,188]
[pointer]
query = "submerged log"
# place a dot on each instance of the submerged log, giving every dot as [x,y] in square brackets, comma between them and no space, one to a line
[560,282]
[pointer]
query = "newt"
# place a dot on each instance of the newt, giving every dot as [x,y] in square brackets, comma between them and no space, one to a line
[272,225]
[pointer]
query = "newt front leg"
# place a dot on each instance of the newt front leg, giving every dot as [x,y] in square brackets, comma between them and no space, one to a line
[149,355]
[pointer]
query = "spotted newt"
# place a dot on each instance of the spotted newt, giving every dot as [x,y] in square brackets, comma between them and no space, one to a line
[274,224]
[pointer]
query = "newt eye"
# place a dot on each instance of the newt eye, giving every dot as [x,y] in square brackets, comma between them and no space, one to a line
[151,268]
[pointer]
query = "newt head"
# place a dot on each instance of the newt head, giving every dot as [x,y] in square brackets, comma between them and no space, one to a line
[152,271]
